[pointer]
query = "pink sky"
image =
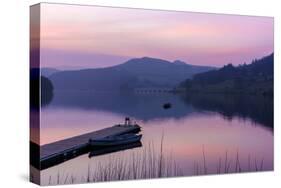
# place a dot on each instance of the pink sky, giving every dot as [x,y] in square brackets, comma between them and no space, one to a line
[89,36]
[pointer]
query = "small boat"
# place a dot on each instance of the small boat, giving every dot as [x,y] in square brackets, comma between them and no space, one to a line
[116,140]
[167,105]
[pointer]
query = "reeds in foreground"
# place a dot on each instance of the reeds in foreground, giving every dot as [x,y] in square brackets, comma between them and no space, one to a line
[142,164]
[227,165]
[149,162]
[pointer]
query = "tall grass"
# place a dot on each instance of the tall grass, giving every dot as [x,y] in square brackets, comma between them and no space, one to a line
[226,164]
[142,164]
[149,162]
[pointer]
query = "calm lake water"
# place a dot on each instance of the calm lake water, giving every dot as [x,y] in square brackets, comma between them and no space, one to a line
[201,133]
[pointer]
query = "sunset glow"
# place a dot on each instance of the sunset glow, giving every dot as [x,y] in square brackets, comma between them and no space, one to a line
[102,36]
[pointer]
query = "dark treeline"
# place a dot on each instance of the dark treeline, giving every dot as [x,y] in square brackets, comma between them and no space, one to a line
[40,86]
[253,78]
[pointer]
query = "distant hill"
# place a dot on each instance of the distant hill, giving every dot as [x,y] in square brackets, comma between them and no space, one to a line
[256,77]
[48,71]
[92,79]
[158,72]
[135,73]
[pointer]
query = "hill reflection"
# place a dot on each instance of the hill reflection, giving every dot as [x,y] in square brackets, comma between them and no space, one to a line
[146,107]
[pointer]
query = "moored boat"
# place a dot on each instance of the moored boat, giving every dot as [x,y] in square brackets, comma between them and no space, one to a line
[116,140]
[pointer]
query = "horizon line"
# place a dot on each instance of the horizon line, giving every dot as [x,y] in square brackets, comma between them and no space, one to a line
[72,68]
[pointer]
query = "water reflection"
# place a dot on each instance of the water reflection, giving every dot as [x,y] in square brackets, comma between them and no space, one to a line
[106,150]
[255,107]
[258,109]
[232,125]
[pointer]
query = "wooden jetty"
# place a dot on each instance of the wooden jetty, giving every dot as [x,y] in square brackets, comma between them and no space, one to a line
[60,151]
